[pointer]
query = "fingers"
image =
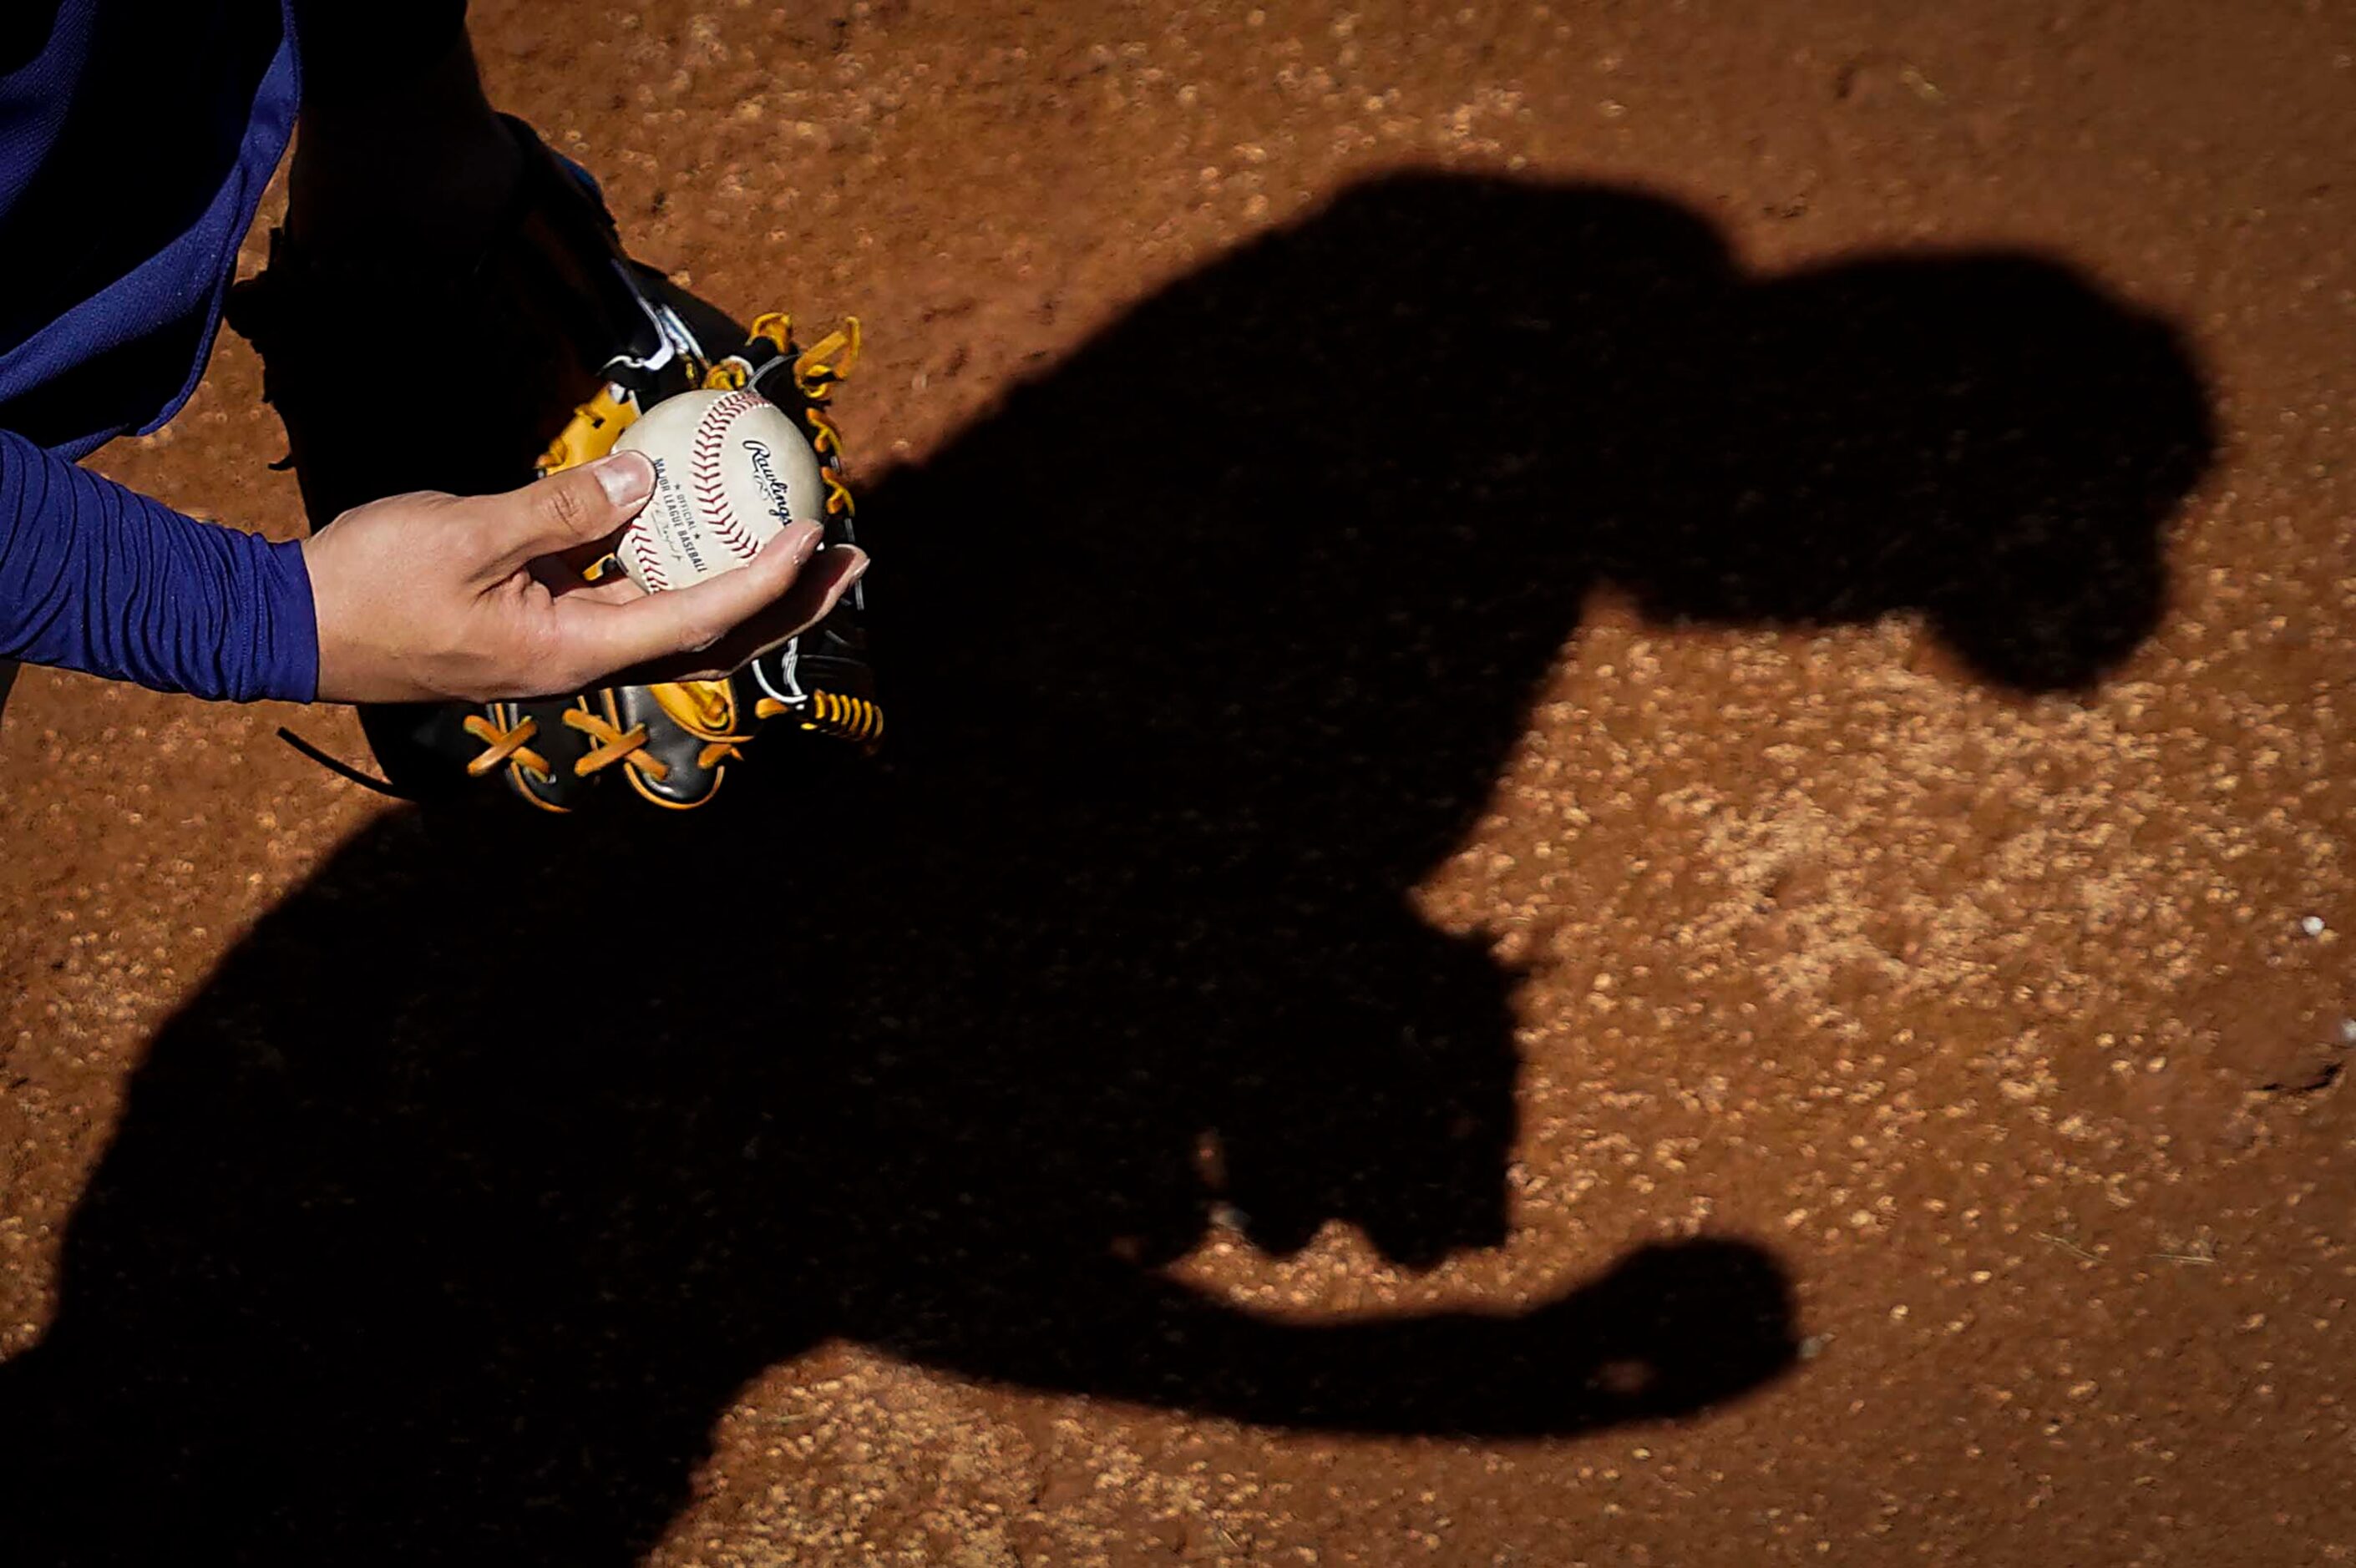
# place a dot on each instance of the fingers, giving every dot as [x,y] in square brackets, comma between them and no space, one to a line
[601,636]
[562,512]
[822,586]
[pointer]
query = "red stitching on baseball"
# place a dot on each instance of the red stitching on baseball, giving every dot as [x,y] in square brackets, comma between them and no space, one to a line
[710,485]
[724,522]
[650,563]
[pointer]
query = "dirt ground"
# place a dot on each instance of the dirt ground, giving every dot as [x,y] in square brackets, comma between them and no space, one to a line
[1620,837]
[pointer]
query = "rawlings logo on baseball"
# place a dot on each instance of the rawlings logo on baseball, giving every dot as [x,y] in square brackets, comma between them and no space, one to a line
[780,498]
[731,470]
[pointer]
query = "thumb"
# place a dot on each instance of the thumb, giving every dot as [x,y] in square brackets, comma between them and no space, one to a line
[564,510]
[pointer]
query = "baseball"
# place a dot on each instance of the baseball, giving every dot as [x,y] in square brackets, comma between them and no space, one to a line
[731,470]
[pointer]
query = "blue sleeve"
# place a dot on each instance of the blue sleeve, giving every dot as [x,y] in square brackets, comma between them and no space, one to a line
[96,577]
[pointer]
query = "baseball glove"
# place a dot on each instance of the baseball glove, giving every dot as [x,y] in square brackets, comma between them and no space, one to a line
[671,743]
[583,342]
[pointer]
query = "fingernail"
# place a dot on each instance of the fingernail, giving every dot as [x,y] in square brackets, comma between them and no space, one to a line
[626,477]
[858,569]
[805,541]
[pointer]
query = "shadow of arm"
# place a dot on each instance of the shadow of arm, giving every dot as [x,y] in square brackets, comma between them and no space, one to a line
[1670,1330]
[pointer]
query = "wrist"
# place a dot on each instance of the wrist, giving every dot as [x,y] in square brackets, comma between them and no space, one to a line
[291,672]
[332,617]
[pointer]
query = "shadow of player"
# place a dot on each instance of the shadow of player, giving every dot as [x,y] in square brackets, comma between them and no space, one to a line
[444,1221]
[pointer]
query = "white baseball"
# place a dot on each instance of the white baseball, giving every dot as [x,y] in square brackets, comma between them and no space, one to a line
[731,471]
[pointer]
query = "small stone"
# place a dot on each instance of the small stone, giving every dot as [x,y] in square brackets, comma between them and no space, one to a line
[2273,1041]
[1060,1488]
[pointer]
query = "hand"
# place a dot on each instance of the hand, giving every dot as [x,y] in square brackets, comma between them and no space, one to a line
[429,597]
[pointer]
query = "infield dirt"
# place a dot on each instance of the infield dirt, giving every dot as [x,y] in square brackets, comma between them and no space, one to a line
[1619,835]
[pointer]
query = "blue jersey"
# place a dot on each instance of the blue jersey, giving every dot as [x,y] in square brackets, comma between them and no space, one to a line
[135,139]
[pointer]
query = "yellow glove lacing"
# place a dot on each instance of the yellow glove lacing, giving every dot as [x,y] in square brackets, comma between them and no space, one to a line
[612,744]
[506,746]
[850,718]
